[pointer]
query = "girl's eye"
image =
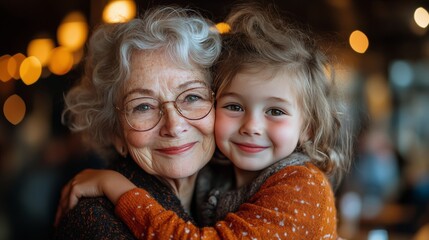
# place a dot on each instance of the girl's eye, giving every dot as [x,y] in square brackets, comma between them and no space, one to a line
[234,107]
[275,112]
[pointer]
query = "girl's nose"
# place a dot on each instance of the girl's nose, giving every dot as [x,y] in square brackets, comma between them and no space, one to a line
[251,125]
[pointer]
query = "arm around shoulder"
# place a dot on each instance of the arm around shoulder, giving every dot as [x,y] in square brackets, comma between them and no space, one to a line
[296,202]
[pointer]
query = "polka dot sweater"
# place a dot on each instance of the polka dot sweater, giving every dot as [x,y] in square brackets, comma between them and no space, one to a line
[295,203]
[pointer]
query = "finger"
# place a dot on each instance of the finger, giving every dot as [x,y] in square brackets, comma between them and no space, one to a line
[73,200]
[63,203]
[58,216]
[65,196]
[60,208]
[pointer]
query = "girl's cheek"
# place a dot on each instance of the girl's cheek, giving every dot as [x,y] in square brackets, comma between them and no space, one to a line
[222,125]
[218,126]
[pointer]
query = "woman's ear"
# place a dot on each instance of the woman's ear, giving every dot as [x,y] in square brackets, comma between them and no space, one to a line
[120,146]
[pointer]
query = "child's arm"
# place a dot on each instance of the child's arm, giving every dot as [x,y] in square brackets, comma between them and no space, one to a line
[297,202]
[92,183]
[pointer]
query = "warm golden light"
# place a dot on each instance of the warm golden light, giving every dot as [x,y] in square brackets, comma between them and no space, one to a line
[359,41]
[14,109]
[223,27]
[421,17]
[78,55]
[378,96]
[41,48]
[4,73]
[119,11]
[61,61]
[13,65]
[30,70]
[73,31]
[343,4]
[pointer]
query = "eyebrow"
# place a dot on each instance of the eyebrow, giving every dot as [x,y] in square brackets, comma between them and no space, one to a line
[276,99]
[184,86]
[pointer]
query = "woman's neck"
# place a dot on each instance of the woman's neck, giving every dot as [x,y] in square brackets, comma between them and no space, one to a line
[243,177]
[184,189]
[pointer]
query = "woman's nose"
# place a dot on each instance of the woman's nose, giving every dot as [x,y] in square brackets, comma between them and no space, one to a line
[173,123]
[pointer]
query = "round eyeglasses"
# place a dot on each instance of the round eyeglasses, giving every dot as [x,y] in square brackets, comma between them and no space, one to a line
[144,113]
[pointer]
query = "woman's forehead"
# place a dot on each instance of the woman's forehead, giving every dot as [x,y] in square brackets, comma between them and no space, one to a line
[158,66]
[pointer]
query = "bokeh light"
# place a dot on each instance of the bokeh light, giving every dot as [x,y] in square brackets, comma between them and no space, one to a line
[78,55]
[14,64]
[358,41]
[223,27]
[41,48]
[401,73]
[4,73]
[119,11]
[30,70]
[378,96]
[421,17]
[61,61]
[14,109]
[73,31]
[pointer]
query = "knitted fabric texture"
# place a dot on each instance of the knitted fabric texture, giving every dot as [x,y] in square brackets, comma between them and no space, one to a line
[94,218]
[222,200]
[296,202]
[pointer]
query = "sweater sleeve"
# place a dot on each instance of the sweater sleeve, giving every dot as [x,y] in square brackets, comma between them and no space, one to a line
[295,203]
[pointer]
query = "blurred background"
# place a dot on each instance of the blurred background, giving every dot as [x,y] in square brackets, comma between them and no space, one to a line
[382,60]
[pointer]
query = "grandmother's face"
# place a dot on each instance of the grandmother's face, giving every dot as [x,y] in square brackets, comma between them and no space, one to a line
[176,147]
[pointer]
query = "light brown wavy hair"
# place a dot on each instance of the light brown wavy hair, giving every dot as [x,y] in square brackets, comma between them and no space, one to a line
[261,39]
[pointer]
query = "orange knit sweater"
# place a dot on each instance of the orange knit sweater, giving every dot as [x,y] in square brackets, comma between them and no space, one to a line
[295,203]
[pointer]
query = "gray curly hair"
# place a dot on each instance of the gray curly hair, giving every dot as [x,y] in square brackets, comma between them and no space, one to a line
[183,34]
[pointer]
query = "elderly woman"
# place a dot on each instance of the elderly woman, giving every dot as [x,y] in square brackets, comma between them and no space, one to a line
[146,94]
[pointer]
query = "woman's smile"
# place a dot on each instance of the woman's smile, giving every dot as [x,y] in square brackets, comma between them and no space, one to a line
[176,149]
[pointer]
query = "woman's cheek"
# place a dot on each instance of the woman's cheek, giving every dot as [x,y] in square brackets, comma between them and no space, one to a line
[138,139]
[207,131]
[208,124]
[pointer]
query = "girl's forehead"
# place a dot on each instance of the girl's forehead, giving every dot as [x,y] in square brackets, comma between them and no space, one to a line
[264,80]
[267,68]
[276,82]
[266,73]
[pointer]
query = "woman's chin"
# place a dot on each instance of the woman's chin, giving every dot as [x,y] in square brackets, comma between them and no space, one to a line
[176,174]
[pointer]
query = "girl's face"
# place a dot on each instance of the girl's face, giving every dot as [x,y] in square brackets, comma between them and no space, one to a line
[176,147]
[258,119]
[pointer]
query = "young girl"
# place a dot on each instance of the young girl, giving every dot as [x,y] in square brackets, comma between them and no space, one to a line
[277,121]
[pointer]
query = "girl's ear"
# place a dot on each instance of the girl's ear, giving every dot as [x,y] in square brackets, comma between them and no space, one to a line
[120,146]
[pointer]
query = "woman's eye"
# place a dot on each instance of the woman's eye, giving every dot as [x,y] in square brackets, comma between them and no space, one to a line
[142,108]
[275,112]
[233,107]
[192,98]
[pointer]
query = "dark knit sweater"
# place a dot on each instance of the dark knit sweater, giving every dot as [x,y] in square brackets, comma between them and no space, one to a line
[94,218]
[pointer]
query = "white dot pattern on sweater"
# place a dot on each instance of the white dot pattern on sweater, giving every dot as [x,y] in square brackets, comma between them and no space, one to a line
[295,222]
